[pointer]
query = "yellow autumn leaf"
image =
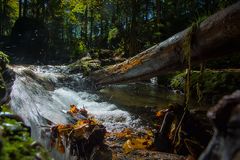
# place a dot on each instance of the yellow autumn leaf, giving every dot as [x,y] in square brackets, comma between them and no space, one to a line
[137,143]
[160,113]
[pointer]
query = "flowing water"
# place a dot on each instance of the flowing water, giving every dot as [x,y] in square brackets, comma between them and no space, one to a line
[42,94]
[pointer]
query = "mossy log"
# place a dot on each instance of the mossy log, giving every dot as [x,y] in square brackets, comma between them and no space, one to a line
[218,35]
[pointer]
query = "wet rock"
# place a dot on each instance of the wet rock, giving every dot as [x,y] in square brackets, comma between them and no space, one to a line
[45,82]
[10,116]
[8,77]
[38,156]
[95,61]
[35,144]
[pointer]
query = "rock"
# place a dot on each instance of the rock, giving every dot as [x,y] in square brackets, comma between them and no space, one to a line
[85,65]
[105,54]
[3,62]
[35,144]
[8,77]
[44,81]
[38,156]
[101,153]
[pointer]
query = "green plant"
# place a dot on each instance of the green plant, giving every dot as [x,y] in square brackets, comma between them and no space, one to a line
[112,34]
[4,58]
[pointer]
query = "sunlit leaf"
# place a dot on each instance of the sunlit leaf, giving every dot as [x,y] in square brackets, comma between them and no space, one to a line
[137,143]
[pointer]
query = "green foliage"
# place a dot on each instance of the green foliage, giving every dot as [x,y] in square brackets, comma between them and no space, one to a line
[214,83]
[4,58]
[81,47]
[112,34]
[3,61]
[9,14]
[131,26]
[17,141]
[177,81]
[85,65]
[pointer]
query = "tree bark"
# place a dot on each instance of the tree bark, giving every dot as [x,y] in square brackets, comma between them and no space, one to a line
[20,9]
[86,25]
[133,34]
[218,35]
[1,17]
[158,12]
[25,8]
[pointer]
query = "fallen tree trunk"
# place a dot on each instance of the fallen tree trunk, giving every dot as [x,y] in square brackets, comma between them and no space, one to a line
[218,35]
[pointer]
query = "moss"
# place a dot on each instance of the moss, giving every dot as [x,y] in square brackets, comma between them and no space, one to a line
[16,141]
[214,84]
[2,87]
[85,65]
[3,60]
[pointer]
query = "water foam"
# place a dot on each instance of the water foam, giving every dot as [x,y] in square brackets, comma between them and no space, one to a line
[36,103]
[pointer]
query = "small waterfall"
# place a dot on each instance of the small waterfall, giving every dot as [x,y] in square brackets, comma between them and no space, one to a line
[42,94]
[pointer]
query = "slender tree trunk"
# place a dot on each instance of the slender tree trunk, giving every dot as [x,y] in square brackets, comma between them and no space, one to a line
[1,16]
[117,19]
[20,8]
[25,8]
[101,27]
[133,35]
[158,12]
[4,17]
[86,25]
[146,10]
[113,20]
[126,37]
[91,28]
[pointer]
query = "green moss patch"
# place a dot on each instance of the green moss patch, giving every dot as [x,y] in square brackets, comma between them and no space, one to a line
[3,60]
[85,65]
[16,143]
[213,85]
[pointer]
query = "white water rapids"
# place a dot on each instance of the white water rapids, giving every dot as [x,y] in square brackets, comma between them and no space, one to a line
[41,94]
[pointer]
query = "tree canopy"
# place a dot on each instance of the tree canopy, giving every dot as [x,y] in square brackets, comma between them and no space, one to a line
[75,27]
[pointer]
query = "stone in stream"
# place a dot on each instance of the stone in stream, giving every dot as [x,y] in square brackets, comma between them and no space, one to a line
[84,136]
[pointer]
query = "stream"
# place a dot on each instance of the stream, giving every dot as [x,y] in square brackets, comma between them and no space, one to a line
[41,95]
